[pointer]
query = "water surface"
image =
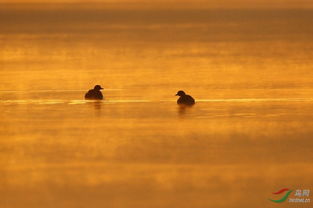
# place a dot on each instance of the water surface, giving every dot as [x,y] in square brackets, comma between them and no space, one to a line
[248,135]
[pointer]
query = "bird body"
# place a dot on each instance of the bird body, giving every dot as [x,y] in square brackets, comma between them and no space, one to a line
[94,94]
[184,99]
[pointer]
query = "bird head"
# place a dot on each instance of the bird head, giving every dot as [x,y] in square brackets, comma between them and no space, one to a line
[180,93]
[98,87]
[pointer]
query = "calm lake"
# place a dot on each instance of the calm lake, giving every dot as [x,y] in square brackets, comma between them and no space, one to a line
[249,134]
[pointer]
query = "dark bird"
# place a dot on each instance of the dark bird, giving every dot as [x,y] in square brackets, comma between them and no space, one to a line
[184,99]
[95,93]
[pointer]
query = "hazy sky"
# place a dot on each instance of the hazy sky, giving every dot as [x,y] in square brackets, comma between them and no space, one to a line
[213,3]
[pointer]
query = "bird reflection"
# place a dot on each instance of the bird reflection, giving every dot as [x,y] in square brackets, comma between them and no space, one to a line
[183,109]
[97,105]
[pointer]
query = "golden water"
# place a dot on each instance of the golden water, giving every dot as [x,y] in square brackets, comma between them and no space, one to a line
[249,134]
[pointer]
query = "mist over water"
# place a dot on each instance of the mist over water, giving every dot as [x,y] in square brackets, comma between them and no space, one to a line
[248,135]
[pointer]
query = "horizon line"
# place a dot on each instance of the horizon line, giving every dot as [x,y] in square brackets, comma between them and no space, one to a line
[237,4]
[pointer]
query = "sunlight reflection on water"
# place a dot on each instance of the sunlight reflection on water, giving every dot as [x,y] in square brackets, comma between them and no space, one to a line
[249,134]
[110,101]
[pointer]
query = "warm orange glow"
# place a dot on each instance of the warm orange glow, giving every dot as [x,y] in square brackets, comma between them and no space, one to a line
[249,68]
[188,3]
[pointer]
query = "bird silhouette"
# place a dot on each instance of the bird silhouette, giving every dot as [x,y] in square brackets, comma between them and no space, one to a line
[94,94]
[184,99]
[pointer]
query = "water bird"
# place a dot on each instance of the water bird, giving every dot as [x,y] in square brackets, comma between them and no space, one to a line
[184,99]
[94,94]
